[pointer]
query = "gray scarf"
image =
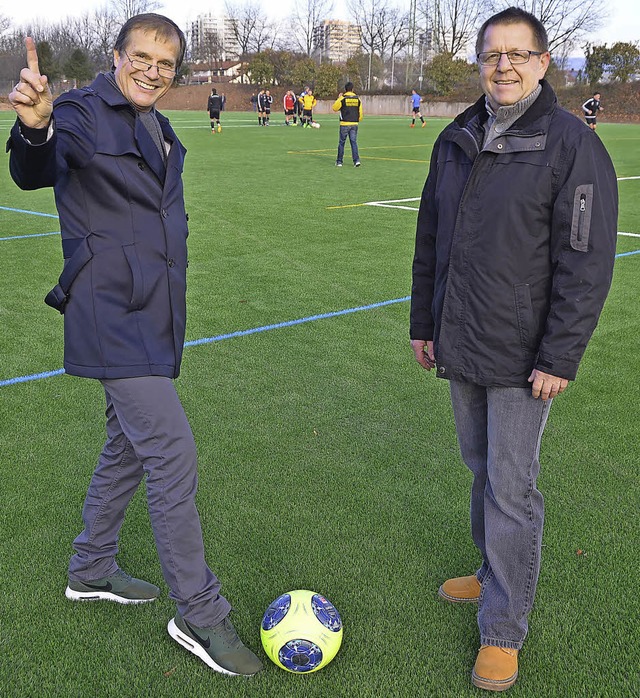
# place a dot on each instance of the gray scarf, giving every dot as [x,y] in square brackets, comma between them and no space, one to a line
[498,122]
[149,121]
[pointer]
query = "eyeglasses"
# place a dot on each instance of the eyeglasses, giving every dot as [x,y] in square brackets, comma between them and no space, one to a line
[515,57]
[145,67]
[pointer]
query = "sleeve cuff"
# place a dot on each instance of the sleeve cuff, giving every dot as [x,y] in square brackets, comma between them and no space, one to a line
[37,136]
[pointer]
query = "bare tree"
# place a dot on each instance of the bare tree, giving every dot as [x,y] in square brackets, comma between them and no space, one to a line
[251,29]
[265,36]
[307,15]
[385,30]
[366,14]
[211,49]
[567,22]
[454,23]
[398,37]
[125,9]
[105,31]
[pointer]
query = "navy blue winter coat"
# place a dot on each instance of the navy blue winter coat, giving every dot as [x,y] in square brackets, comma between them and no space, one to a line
[124,233]
[515,246]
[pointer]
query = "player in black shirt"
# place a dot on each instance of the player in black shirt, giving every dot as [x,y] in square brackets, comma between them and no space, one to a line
[265,100]
[591,108]
[214,105]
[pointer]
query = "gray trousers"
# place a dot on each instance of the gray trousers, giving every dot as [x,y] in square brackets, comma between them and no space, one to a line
[499,432]
[148,433]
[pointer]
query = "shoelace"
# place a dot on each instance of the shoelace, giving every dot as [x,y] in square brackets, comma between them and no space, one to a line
[507,650]
[229,634]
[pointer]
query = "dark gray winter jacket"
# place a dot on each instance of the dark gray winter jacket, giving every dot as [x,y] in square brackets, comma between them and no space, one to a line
[515,246]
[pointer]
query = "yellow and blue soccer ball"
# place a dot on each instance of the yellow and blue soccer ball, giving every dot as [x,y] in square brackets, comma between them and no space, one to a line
[301,631]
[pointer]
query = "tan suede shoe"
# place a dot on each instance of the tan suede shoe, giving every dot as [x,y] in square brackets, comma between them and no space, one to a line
[496,668]
[461,589]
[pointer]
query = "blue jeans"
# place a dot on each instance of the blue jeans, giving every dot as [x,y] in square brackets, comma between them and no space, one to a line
[499,432]
[352,132]
[148,434]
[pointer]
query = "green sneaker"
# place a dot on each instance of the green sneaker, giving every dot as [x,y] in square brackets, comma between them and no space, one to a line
[219,647]
[119,587]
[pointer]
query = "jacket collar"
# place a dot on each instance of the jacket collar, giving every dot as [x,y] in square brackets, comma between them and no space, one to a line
[109,92]
[544,105]
[107,89]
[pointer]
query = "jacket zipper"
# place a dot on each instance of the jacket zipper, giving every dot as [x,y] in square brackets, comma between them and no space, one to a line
[445,303]
[582,211]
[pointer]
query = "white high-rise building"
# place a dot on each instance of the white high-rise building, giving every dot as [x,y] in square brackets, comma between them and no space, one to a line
[336,40]
[212,38]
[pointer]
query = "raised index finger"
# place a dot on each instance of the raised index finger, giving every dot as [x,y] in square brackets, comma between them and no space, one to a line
[32,55]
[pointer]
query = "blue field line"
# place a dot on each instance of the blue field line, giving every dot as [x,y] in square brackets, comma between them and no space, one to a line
[31,213]
[229,335]
[254,330]
[31,235]
[627,254]
[32,377]
[291,323]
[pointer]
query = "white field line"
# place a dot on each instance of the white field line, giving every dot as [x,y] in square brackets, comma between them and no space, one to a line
[394,201]
[389,204]
[377,203]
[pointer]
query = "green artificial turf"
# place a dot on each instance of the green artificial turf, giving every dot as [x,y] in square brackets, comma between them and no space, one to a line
[328,458]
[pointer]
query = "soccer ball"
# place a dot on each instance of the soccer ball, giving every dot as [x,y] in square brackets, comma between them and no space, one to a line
[315,124]
[301,631]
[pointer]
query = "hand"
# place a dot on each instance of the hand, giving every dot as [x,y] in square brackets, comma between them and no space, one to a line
[340,96]
[423,351]
[31,98]
[545,385]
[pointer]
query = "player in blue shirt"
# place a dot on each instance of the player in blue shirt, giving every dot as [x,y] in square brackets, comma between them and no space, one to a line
[416,99]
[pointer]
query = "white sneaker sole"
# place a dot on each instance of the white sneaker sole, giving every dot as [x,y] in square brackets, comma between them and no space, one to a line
[100,596]
[195,648]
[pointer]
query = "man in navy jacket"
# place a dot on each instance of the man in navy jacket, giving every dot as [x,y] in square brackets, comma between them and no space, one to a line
[514,255]
[115,165]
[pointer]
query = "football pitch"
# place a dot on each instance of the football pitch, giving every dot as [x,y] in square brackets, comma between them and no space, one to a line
[328,458]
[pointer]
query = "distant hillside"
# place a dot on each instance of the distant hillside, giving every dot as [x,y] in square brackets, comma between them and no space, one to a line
[575,63]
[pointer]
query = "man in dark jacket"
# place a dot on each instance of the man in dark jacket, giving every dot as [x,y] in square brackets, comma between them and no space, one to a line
[514,255]
[115,165]
[350,107]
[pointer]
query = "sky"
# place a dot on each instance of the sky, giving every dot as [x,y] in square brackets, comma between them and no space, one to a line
[624,23]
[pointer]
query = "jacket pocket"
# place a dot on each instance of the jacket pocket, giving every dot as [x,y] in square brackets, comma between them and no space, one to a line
[137,285]
[78,254]
[581,219]
[524,312]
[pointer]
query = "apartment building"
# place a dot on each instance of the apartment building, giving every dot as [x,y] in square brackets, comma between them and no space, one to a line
[335,40]
[213,39]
